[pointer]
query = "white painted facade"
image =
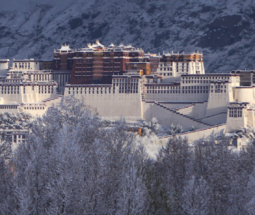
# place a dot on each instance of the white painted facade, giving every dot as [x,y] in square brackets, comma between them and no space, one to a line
[16,136]
[187,97]
[4,67]
[27,91]
[122,98]
[198,101]
[198,134]
[173,70]
[26,65]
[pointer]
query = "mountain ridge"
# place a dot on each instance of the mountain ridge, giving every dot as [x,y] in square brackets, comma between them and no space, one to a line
[221,29]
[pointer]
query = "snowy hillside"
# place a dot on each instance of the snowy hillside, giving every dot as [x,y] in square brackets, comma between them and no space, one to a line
[222,29]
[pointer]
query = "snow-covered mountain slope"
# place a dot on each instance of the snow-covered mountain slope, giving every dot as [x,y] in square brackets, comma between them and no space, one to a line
[222,29]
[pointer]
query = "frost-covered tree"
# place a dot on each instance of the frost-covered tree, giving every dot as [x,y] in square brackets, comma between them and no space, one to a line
[175,165]
[250,194]
[175,129]
[221,169]
[7,196]
[196,197]
[192,128]
[69,111]
[31,176]
[15,121]
[132,193]
[72,165]
[154,124]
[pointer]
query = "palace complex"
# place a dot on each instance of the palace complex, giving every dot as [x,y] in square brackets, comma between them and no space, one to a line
[125,81]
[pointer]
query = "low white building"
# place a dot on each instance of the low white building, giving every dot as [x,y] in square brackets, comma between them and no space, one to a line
[26,65]
[173,65]
[27,91]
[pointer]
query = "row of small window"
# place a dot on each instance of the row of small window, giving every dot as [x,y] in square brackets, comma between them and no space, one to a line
[128,91]
[16,75]
[33,108]
[235,112]
[10,88]
[89,88]
[166,69]
[166,74]
[38,77]
[20,137]
[11,80]
[20,64]
[44,89]
[163,87]
[23,67]
[218,91]
[116,80]
[8,107]
[10,92]
[196,81]
[207,77]
[166,64]
[177,64]
[125,84]
[131,88]
[177,87]
[176,91]
[90,92]
[218,86]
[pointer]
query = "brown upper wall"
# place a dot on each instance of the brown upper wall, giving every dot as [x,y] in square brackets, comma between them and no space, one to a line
[181,57]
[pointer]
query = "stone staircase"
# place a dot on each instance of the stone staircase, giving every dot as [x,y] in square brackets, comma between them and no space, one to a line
[180,114]
[52,99]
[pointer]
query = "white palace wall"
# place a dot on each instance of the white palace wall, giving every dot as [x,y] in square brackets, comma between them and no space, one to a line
[188,111]
[176,94]
[236,123]
[239,117]
[195,110]
[9,108]
[220,95]
[35,109]
[166,117]
[250,119]
[215,119]
[245,94]
[199,100]
[19,93]
[4,66]
[172,70]
[198,134]
[108,103]
[177,105]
